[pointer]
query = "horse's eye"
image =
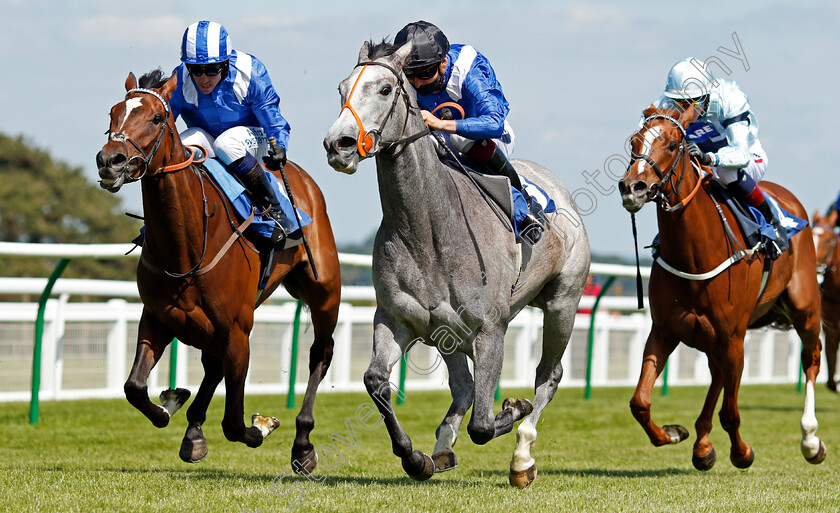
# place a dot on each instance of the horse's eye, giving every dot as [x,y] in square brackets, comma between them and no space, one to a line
[158,119]
[672,146]
[385,91]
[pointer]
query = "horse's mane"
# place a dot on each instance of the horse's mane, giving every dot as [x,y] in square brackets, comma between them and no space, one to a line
[381,49]
[670,109]
[153,79]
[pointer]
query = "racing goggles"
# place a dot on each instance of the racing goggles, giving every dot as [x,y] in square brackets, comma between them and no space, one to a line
[211,70]
[422,73]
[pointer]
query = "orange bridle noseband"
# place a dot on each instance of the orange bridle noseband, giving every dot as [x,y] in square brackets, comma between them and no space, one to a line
[369,143]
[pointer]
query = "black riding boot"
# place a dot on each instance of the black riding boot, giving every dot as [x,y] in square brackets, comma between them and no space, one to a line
[498,164]
[265,197]
[782,242]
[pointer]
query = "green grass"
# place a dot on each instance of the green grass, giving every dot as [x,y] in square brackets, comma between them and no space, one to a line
[591,456]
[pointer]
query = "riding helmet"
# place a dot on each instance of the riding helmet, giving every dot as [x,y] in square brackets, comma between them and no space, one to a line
[430,44]
[688,79]
[205,42]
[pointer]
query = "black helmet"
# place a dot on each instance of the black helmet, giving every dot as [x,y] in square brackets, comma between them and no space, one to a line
[430,45]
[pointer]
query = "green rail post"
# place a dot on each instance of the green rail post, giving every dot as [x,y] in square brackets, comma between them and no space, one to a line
[591,338]
[801,373]
[173,364]
[39,334]
[290,398]
[499,390]
[665,380]
[403,372]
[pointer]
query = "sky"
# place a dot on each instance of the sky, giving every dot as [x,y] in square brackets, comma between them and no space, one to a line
[577,76]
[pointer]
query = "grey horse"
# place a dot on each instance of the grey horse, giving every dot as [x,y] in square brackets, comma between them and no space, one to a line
[446,271]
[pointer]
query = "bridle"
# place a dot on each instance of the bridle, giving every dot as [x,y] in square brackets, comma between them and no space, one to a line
[149,261]
[655,191]
[369,142]
[122,137]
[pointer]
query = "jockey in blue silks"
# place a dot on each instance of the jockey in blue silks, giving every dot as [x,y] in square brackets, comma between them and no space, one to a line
[441,73]
[724,136]
[231,108]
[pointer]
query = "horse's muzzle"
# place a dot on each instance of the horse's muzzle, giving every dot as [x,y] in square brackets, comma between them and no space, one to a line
[634,194]
[113,168]
[342,153]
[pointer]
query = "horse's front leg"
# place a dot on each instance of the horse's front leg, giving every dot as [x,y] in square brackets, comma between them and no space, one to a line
[153,337]
[461,388]
[488,350]
[304,458]
[657,350]
[235,365]
[389,341]
[704,456]
[194,445]
[813,449]
[732,367]
[832,338]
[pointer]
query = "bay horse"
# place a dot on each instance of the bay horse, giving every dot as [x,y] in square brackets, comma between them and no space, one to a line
[185,295]
[444,268]
[709,312]
[827,244]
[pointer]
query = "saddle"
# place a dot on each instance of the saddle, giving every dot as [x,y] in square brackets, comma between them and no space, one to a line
[259,231]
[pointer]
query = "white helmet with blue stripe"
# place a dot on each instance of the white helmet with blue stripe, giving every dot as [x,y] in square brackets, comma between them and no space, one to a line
[688,80]
[205,42]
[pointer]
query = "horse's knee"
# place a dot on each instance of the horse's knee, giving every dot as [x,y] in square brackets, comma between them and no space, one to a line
[640,409]
[481,432]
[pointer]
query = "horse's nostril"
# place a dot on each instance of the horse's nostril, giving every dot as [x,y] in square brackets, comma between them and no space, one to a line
[346,142]
[639,187]
[117,160]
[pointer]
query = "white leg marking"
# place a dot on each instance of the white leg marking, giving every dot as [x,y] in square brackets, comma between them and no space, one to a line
[446,440]
[810,442]
[526,434]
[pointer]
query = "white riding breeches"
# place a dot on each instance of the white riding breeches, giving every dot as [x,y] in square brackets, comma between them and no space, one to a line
[755,170]
[232,144]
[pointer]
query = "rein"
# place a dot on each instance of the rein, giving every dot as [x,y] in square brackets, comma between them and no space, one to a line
[369,142]
[190,162]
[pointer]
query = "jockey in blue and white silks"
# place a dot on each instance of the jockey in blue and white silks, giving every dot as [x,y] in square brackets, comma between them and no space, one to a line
[227,100]
[441,73]
[724,135]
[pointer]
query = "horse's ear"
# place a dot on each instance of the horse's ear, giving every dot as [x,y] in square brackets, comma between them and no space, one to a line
[402,53]
[130,81]
[649,111]
[169,87]
[832,217]
[815,216]
[364,53]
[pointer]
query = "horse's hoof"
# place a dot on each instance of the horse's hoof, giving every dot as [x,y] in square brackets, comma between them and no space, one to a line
[704,462]
[819,457]
[444,461]
[832,385]
[523,478]
[676,432]
[419,466]
[173,398]
[193,451]
[746,463]
[523,406]
[304,460]
[265,424]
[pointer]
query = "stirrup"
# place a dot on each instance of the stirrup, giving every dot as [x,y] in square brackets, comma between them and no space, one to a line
[282,228]
[531,229]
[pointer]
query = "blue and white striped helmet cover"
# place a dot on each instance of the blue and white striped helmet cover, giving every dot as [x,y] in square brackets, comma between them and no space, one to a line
[205,42]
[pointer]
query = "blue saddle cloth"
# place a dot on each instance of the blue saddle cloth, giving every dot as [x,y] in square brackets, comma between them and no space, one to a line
[520,206]
[754,226]
[242,203]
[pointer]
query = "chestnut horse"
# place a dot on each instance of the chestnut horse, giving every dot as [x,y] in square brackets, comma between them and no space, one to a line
[707,311]
[828,257]
[186,295]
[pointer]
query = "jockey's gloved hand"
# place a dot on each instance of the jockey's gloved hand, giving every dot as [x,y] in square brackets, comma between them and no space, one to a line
[704,158]
[276,157]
